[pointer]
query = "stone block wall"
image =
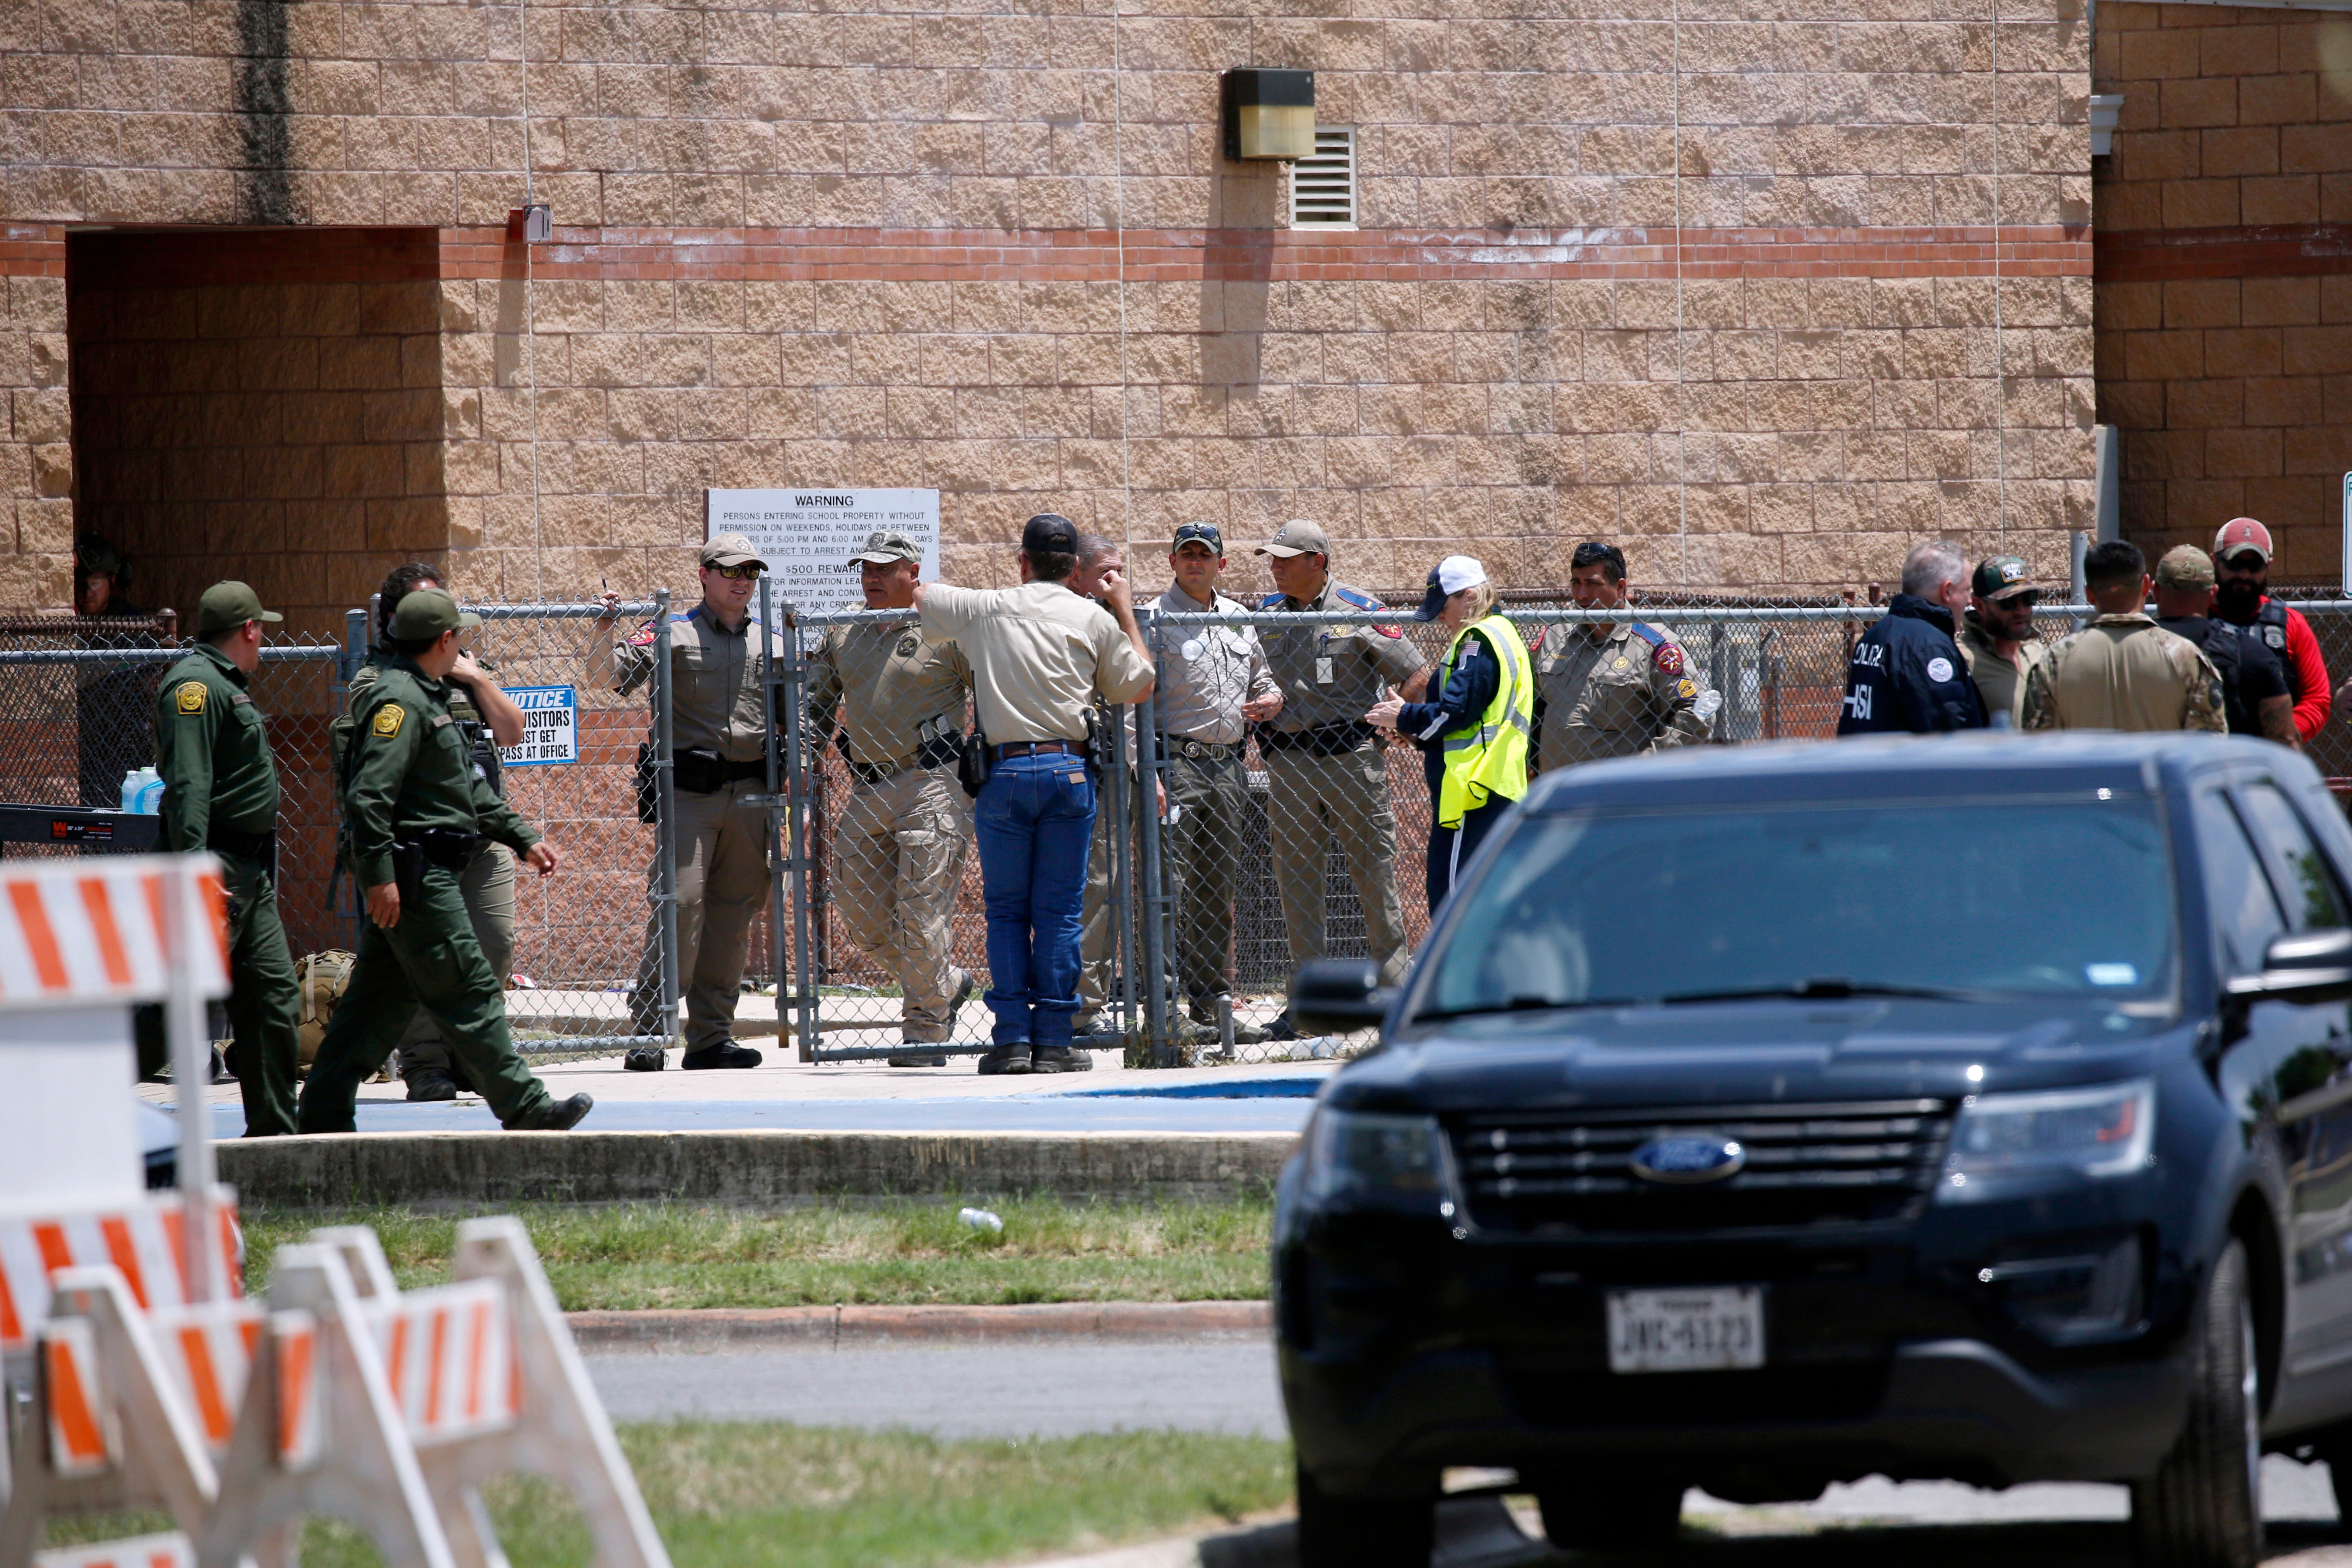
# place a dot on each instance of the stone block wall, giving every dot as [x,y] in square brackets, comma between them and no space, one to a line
[2224,292]
[1765,295]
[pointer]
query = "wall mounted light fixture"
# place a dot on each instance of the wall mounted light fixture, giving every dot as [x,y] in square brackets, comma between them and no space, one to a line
[1269,113]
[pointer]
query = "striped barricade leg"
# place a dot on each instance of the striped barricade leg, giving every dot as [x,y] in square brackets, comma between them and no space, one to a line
[169,1549]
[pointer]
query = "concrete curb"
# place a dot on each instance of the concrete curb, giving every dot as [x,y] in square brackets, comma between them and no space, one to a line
[361,1169]
[1471,1533]
[815,1328]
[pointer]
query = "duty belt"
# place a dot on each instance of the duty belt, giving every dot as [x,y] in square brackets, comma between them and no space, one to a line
[260,847]
[1320,741]
[1186,746]
[1036,749]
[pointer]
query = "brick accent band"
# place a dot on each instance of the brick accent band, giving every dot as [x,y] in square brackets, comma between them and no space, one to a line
[2286,250]
[1147,256]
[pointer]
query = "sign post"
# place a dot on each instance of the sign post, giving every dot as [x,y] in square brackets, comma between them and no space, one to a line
[806,533]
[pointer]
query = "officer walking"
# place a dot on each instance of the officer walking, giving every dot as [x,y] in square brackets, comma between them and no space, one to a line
[1215,684]
[1326,778]
[1611,689]
[1996,633]
[719,743]
[488,719]
[1906,676]
[414,810]
[2242,561]
[1040,656]
[2123,671]
[2254,696]
[900,841]
[220,792]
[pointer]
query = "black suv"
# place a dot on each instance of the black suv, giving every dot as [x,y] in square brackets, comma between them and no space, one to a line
[1758,1118]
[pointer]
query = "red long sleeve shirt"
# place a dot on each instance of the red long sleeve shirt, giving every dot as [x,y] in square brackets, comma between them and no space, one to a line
[2314,696]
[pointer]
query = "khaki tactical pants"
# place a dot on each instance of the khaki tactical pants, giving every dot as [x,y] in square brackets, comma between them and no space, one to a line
[1203,854]
[722,886]
[1312,800]
[429,959]
[899,847]
[488,887]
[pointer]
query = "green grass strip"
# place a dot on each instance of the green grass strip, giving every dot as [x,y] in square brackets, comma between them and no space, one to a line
[760,1495]
[897,1252]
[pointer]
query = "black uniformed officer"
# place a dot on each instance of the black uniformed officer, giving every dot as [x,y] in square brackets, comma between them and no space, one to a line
[415,811]
[1907,675]
[220,792]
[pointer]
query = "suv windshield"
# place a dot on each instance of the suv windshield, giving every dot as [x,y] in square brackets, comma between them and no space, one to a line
[2042,897]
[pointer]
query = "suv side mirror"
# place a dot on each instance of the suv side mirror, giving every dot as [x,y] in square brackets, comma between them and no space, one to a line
[2306,967]
[1334,996]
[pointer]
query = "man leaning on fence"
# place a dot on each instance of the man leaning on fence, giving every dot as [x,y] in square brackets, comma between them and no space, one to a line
[488,719]
[1214,682]
[220,792]
[1907,675]
[1040,656]
[414,812]
[900,841]
[1609,689]
[1325,777]
[2123,671]
[718,741]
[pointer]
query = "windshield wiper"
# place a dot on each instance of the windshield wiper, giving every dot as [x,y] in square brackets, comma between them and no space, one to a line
[1523,1004]
[1827,987]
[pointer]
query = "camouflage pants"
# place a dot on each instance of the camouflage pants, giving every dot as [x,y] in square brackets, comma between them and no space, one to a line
[899,847]
[1312,801]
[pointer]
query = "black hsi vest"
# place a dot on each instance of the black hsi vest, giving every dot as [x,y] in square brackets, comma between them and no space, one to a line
[2269,626]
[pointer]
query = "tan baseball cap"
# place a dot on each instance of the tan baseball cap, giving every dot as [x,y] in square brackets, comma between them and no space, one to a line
[732,550]
[2185,566]
[886,545]
[1298,537]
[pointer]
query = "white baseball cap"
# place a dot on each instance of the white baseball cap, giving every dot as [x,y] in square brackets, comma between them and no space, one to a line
[1447,578]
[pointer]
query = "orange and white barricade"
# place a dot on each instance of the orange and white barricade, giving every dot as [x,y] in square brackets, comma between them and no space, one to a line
[144,1239]
[171,1551]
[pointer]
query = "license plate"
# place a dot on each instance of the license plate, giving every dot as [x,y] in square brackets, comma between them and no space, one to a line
[1708,1329]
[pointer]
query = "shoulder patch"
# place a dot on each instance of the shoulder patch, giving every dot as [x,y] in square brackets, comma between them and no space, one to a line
[1668,657]
[642,637]
[387,720]
[190,697]
[1386,631]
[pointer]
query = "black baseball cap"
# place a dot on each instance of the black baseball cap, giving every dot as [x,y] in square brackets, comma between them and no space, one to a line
[1206,533]
[1049,532]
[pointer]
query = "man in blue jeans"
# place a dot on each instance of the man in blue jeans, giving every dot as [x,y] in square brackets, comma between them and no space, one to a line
[1039,655]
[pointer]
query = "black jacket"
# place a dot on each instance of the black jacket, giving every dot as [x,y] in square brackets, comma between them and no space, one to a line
[1908,677]
[2251,673]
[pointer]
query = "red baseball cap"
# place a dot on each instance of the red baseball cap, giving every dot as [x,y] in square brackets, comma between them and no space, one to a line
[2243,533]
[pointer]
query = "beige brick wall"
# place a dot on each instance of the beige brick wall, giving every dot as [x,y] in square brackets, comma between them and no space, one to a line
[1519,368]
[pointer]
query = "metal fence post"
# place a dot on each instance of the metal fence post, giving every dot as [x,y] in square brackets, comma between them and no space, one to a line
[1153,907]
[665,897]
[355,646]
[800,856]
[1113,808]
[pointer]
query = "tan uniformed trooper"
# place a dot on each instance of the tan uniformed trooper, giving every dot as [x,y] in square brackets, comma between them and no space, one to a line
[2123,671]
[1326,778]
[900,841]
[1612,689]
[719,741]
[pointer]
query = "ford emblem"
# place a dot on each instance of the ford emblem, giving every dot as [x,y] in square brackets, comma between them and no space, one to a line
[1686,1161]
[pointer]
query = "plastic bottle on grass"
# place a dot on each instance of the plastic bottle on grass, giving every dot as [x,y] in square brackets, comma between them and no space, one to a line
[981,1219]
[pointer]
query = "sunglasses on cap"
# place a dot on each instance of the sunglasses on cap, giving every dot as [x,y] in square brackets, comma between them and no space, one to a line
[734,574]
[2243,560]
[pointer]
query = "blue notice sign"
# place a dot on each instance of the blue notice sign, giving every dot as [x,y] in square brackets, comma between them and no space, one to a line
[550,732]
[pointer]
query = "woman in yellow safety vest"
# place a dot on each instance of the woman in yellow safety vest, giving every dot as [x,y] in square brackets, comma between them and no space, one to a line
[1474,734]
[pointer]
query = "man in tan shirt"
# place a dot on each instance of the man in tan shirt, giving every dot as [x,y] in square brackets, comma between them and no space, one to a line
[2123,671]
[1996,633]
[1039,656]
[901,694]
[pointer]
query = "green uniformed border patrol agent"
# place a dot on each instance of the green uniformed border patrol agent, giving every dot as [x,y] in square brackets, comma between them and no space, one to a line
[414,810]
[900,842]
[220,792]
[489,720]
[720,842]
[1613,689]
[1326,778]
[2123,671]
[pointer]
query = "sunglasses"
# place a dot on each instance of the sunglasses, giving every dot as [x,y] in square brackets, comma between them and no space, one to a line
[735,573]
[2025,601]
[2244,561]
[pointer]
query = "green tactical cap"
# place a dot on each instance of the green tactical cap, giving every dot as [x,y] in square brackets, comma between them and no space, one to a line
[229,604]
[428,613]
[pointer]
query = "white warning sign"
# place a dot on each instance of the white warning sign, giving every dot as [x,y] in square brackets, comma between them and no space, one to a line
[806,534]
[550,726]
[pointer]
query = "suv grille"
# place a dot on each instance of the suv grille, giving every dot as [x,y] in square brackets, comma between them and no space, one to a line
[1807,1165]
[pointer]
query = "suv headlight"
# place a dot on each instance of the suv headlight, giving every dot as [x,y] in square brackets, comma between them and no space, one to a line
[2103,1132]
[1392,1159]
